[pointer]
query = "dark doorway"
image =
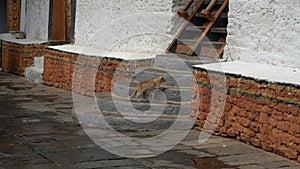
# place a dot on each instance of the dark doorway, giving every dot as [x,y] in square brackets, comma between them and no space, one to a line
[62,19]
[3,16]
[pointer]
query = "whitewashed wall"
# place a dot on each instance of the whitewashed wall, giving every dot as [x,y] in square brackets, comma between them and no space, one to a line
[126,25]
[37,19]
[264,31]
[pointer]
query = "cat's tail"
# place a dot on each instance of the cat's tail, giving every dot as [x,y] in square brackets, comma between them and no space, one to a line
[133,94]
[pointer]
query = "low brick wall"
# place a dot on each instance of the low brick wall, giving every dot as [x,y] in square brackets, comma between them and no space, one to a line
[93,74]
[16,57]
[261,113]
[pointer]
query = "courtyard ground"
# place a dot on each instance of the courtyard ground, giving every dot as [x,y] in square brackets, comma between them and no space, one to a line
[38,132]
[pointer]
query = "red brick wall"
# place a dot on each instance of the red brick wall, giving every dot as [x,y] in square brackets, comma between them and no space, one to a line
[17,57]
[93,74]
[264,114]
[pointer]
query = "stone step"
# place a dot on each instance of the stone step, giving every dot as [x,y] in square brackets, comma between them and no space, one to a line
[39,62]
[114,120]
[34,74]
[109,103]
[125,88]
[125,115]
[175,79]
[180,63]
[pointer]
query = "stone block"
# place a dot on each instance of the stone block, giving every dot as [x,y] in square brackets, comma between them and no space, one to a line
[34,74]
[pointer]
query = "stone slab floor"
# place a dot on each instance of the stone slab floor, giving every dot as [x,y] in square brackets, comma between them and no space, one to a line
[37,132]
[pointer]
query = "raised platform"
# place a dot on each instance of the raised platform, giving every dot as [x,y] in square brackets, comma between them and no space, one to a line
[88,70]
[96,52]
[18,54]
[262,104]
[258,72]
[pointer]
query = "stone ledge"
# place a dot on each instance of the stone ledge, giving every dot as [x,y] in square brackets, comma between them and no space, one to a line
[261,107]
[34,74]
[7,36]
[94,73]
[100,53]
[18,56]
[23,41]
[272,74]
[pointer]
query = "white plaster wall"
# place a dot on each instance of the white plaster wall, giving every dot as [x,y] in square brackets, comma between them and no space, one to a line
[37,19]
[126,25]
[23,15]
[265,32]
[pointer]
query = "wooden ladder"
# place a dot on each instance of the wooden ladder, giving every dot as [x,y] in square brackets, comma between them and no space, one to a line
[200,36]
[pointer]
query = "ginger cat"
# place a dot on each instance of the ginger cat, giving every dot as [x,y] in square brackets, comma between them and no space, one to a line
[148,85]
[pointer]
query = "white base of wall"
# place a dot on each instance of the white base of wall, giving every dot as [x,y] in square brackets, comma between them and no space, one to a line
[35,73]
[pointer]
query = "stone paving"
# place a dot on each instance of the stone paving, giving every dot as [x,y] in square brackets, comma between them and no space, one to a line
[38,132]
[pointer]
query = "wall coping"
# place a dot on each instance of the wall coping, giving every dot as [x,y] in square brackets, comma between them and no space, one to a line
[273,74]
[11,38]
[96,52]
[7,36]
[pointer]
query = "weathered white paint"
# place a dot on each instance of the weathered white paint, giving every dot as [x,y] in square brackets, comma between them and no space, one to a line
[8,36]
[12,37]
[253,70]
[126,25]
[96,52]
[23,16]
[37,19]
[35,72]
[265,32]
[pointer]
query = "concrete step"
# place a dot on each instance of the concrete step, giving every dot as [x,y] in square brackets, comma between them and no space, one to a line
[125,88]
[34,74]
[173,79]
[139,116]
[118,122]
[180,63]
[110,103]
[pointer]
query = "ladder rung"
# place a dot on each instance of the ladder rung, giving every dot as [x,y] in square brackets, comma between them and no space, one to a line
[195,28]
[182,49]
[186,41]
[219,2]
[190,42]
[223,15]
[217,45]
[219,30]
